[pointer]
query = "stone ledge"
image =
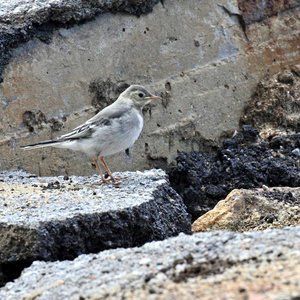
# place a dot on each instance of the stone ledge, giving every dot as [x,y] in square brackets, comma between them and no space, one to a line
[30,11]
[214,265]
[53,218]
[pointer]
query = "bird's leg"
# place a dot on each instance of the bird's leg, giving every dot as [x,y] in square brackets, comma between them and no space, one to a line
[114,180]
[99,170]
[106,168]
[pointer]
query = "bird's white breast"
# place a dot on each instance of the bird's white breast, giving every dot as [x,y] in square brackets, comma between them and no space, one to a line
[120,135]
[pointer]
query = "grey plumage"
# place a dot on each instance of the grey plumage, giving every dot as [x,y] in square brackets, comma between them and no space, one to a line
[113,129]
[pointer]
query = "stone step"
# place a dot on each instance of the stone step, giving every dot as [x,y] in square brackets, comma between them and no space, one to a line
[212,265]
[59,218]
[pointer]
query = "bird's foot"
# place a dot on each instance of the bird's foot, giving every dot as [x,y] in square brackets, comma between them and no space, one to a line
[112,180]
[116,181]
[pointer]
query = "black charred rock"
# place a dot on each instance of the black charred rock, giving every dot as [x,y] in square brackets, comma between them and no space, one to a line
[203,180]
[250,134]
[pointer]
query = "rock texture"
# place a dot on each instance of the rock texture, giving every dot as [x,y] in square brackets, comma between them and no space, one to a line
[256,10]
[62,61]
[259,209]
[275,106]
[203,180]
[216,265]
[61,218]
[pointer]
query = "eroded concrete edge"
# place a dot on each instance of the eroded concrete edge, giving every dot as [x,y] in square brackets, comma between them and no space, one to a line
[41,22]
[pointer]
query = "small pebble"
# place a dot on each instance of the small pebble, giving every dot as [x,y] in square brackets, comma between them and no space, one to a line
[296,151]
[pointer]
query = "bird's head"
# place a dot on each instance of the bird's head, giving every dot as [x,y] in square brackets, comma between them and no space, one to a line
[139,95]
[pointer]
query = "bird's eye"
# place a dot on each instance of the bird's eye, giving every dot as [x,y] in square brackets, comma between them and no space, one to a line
[141,95]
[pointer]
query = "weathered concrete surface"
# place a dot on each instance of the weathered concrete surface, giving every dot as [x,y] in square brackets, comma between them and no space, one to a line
[215,265]
[198,55]
[60,218]
[21,21]
[259,209]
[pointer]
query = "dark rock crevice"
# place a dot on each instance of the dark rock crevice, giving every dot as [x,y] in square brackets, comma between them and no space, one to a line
[12,270]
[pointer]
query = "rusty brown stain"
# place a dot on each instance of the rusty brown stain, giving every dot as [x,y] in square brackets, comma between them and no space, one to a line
[280,43]
[5,142]
[258,10]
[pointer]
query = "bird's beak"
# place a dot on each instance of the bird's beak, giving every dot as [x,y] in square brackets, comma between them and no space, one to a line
[152,98]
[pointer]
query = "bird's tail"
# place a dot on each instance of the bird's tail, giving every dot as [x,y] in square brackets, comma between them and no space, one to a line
[42,144]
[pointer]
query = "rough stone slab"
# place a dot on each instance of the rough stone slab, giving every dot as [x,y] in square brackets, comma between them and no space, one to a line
[256,209]
[215,265]
[55,218]
[32,11]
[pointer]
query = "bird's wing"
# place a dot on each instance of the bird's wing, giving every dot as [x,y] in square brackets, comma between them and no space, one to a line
[82,131]
[102,119]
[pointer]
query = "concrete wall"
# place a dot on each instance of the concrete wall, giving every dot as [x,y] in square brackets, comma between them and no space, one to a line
[204,58]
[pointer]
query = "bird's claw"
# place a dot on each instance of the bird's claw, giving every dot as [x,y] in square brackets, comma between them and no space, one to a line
[112,180]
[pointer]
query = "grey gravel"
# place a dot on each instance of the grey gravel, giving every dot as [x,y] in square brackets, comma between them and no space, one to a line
[116,274]
[28,200]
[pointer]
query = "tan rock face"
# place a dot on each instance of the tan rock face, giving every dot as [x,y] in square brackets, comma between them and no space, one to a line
[196,54]
[258,209]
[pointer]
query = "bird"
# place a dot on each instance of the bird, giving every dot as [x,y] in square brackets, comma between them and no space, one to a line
[114,129]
